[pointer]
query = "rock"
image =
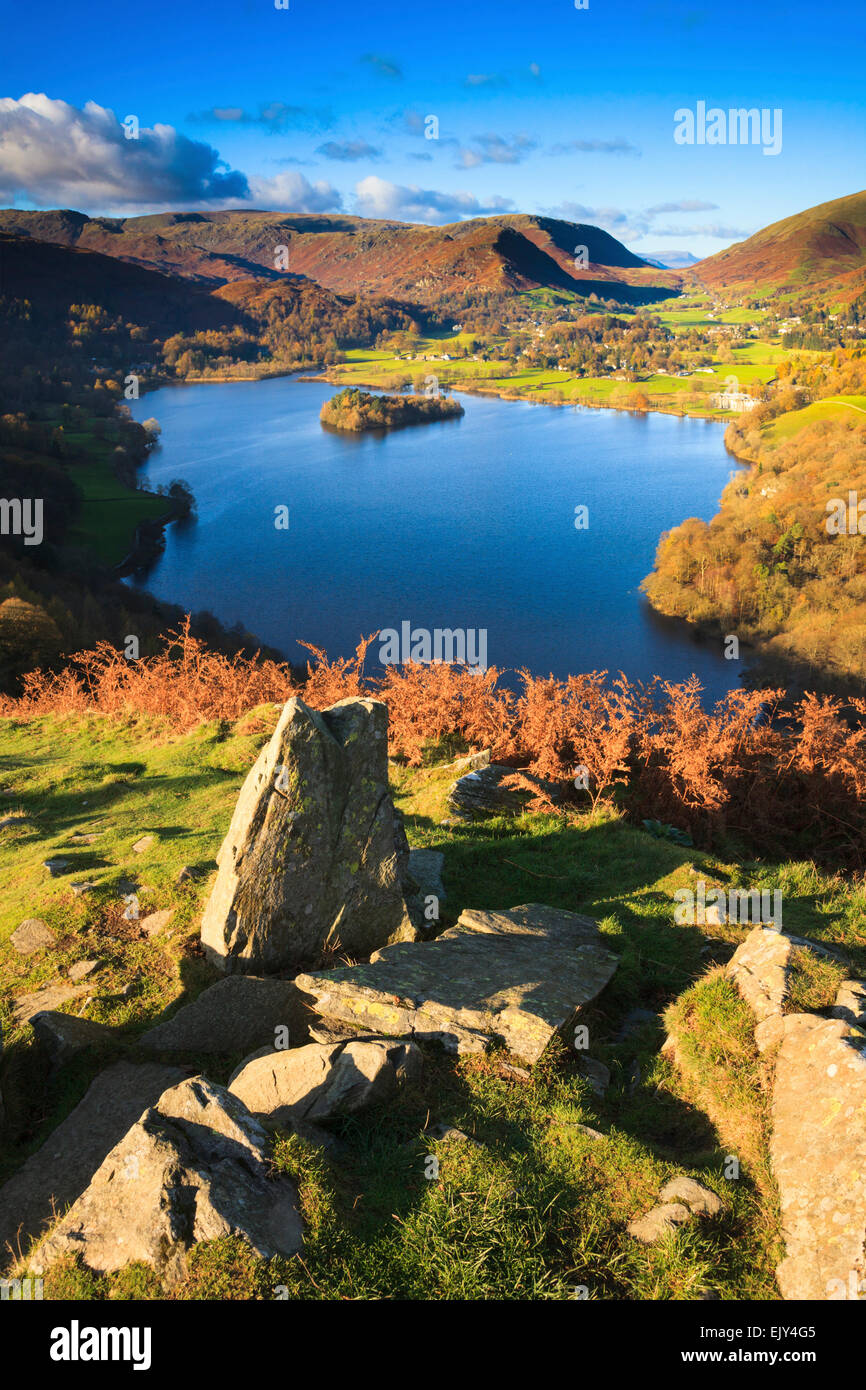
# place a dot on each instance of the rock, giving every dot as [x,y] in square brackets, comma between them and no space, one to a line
[590,1132]
[186,875]
[596,1073]
[472,762]
[82,968]
[423,879]
[238,1014]
[56,867]
[659,1222]
[194,1167]
[519,1072]
[818,1152]
[155,922]
[80,890]
[64,1035]
[81,837]
[699,1199]
[7,821]
[318,1082]
[32,935]
[515,976]
[442,1131]
[26,1005]
[481,793]
[311,853]
[328,1030]
[759,969]
[851,1002]
[144,844]
[58,1172]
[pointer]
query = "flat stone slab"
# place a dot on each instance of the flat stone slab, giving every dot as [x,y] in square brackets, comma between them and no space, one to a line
[155,922]
[59,1172]
[818,1152]
[32,935]
[759,969]
[239,1013]
[515,977]
[26,1005]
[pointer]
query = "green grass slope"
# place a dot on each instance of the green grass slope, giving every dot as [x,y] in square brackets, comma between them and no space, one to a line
[538,1207]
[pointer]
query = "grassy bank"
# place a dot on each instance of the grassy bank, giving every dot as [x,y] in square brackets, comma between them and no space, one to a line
[537,1208]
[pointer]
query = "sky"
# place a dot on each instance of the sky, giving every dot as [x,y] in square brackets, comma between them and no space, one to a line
[329,105]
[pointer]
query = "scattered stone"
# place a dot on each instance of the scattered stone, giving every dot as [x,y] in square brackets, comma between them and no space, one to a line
[520,1072]
[144,844]
[186,875]
[442,1131]
[194,1167]
[596,1073]
[317,1082]
[634,1020]
[311,854]
[699,1199]
[82,889]
[472,762]
[132,911]
[64,1035]
[818,1152]
[56,867]
[238,1014]
[32,935]
[515,976]
[21,819]
[82,968]
[79,837]
[590,1132]
[60,1170]
[482,793]
[851,1002]
[659,1222]
[155,922]
[44,1000]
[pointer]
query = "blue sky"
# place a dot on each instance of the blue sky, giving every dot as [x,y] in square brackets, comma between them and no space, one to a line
[541,107]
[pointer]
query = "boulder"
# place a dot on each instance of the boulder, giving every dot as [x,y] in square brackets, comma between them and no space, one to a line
[155,922]
[32,935]
[238,1014]
[515,977]
[58,1172]
[320,1082]
[482,793]
[818,1151]
[759,969]
[64,1035]
[311,858]
[700,1200]
[421,880]
[659,1222]
[194,1167]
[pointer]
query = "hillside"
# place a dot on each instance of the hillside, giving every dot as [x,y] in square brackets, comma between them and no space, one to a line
[822,250]
[353,255]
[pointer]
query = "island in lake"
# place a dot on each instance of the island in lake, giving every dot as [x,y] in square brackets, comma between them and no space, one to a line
[360,410]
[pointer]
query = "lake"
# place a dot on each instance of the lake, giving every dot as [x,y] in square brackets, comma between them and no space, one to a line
[466,524]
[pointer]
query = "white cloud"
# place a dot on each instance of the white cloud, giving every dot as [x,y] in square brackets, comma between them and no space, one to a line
[55,154]
[292,192]
[377,197]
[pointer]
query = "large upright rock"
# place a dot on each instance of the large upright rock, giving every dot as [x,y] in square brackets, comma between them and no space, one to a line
[194,1167]
[514,977]
[311,856]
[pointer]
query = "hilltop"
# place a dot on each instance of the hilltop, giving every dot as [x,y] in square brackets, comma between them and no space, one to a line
[355,255]
[822,250]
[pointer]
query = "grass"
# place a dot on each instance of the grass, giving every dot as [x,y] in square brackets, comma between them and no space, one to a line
[536,1209]
[833,408]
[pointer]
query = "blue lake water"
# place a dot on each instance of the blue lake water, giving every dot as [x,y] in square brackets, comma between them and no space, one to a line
[458,524]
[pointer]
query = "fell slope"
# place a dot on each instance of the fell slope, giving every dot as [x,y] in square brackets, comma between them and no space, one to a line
[823,248]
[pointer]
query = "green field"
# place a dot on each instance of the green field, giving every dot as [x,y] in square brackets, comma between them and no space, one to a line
[834,407]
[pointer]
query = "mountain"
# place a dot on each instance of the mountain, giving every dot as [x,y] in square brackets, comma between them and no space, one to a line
[822,249]
[354,255]
[672,260]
